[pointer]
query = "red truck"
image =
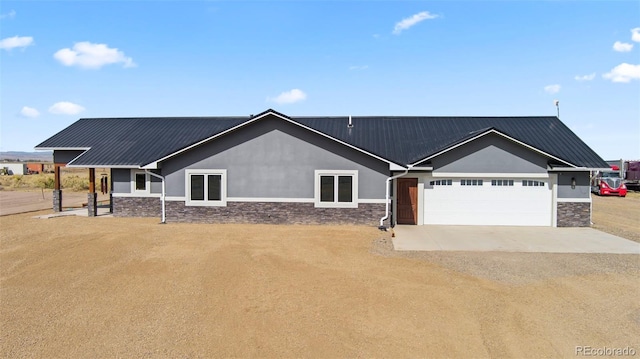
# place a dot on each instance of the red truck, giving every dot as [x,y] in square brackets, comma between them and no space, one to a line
[609,183]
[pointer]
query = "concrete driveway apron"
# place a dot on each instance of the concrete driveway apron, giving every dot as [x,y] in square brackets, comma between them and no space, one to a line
[510,239]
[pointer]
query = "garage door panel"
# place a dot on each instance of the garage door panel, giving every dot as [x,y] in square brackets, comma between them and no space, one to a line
[488,205]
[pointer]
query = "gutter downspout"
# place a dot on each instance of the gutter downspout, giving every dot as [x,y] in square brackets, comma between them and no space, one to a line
[386,211]
[163,193]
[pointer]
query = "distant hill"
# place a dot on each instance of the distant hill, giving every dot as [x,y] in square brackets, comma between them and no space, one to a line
[40,156]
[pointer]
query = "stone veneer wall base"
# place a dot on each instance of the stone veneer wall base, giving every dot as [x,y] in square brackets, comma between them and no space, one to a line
[249,212]
[574,214]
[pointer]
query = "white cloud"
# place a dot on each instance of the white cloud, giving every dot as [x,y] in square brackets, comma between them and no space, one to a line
[551,89]
[10,15]
[358,68]
[622,46]
[635,34]
[92,56]
[16,41]
[29,112]
[586,77]
[406,23]
[292,96]
[65,108]
[623,73]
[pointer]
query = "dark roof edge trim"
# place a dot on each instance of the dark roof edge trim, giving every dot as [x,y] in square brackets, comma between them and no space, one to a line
[154,164]
[493,130]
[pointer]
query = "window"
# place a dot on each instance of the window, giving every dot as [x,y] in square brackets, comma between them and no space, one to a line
[336,188]
[140,182]
[446,182]
[529,183]
[206,187]
[502,182]
[468,182]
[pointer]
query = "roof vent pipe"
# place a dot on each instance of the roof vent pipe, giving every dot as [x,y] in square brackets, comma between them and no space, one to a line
[350,123]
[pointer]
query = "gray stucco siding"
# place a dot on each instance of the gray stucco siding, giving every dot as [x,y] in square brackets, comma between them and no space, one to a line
[156,184]
[121,180]
[582,189]
[275,159]
[490,154]
[65,156]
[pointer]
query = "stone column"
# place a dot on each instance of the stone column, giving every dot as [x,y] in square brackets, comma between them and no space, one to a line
[57,200]
[92,204]
[57,192]
[92,197]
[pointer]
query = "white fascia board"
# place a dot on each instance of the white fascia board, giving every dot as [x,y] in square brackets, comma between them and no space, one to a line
[102,166]
[246,123]
[576,169]
[395,167]
[150,166]
[61,148]
[489,175]
[500,134]
[420,169]
[71,165]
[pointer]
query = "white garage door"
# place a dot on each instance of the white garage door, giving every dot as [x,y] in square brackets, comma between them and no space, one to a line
[488,201]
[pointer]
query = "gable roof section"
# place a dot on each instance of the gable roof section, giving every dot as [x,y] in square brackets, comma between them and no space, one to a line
[476,135]
[257,118]
[410,140]
[136,142]
[133,142]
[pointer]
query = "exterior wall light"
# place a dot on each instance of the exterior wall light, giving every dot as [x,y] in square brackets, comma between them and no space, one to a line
[573,183]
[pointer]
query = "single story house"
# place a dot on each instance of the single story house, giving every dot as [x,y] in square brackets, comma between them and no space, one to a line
[384,170]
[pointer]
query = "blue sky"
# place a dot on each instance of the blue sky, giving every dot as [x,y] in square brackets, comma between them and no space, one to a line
[61,61]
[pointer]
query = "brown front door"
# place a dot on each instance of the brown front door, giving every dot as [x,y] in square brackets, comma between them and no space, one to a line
[407,201]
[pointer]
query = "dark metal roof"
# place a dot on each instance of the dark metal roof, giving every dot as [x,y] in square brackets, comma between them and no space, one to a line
[403,140]
[407,140]
[135,141]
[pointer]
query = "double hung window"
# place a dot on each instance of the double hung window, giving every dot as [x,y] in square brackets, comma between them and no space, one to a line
[206,187]
[336,188]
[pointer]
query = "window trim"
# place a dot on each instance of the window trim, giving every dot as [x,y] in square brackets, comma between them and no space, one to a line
[205,203]
[147,182]
[335,203]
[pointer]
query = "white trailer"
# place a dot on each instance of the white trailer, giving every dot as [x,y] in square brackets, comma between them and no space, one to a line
[13,168]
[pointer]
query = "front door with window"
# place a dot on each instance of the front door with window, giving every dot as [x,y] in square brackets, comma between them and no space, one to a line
[407,201]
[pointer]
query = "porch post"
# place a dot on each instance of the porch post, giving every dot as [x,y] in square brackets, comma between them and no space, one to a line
[57,192]
[92,197]
[110,190]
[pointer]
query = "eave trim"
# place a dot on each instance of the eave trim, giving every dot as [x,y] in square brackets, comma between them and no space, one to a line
[493,130]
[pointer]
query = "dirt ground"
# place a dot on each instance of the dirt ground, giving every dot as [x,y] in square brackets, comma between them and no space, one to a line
[12,202]
[617,215]
[123,287]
